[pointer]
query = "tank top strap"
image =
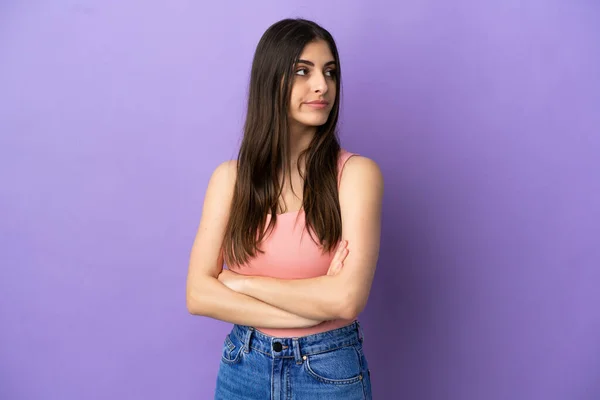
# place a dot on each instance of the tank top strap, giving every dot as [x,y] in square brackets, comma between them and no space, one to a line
[343,157]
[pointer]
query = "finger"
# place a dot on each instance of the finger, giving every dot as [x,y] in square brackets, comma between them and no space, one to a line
[340,250]
[337,268]
[342,257]
[331,271]
[338,257]
[334,267]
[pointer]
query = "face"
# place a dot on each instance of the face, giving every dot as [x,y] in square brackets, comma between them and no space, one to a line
[313,86]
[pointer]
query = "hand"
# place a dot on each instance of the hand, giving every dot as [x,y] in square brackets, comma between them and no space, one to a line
[232,280]
[338,259]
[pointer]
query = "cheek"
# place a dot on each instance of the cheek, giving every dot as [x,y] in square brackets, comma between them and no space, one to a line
[296,101]
[296,96]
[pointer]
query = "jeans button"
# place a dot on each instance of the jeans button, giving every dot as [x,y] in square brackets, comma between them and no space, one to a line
[277,346]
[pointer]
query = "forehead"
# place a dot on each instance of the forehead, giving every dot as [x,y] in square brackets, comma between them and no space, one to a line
[318,52]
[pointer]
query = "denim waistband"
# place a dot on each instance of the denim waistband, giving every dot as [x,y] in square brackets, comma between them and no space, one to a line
[299,347]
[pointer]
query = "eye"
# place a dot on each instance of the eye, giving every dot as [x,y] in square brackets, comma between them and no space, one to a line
[305,70]
[330,73]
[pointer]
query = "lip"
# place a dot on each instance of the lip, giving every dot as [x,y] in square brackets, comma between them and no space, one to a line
[317,103]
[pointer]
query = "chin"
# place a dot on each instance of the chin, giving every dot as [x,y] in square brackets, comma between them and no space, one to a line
[313,121]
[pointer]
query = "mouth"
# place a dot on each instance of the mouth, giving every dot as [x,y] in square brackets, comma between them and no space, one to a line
[318,104]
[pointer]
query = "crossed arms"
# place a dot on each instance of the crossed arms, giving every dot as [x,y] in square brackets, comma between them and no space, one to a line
[284,303]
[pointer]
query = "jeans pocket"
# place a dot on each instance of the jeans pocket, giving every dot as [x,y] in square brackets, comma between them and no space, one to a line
[232,352]
[341,366]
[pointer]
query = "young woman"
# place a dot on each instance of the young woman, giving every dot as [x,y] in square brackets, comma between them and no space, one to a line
[300,238]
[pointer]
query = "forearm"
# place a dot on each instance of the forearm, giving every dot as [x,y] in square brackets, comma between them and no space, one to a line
[320,298]
[212,299]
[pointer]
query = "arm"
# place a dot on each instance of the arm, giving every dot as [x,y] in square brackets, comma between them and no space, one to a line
[343,295]
[205,295]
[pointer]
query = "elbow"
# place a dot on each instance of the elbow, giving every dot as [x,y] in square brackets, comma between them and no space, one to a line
[349,312]
[343,302]
[195,303]
[200,296]
[197,307]
[351,307]
[192,306]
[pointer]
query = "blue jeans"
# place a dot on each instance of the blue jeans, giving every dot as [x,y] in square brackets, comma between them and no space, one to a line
[324,366]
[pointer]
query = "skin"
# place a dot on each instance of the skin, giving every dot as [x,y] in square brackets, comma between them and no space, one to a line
[311,82]
[260,301]
[315,80]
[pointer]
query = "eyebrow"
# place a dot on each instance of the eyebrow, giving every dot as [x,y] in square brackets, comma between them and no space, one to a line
[313,64]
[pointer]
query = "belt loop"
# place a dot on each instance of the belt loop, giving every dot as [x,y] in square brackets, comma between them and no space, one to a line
[247,338]
[296,346]
[361,334]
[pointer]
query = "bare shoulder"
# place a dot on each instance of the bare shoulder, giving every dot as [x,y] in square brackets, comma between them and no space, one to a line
[206,258]
[220,189]
[363,171]
[225,173]
[222,180]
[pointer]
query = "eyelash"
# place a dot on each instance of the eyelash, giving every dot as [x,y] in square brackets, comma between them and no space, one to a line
[331,71]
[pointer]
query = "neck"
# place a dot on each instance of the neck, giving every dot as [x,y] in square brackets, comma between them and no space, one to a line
[300,138]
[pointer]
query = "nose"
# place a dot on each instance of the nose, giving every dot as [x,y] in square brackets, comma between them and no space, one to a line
[319,83]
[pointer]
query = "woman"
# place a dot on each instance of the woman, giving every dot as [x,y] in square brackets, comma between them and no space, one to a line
[300,238]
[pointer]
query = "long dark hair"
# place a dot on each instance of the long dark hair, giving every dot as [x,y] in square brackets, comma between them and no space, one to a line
[265,151]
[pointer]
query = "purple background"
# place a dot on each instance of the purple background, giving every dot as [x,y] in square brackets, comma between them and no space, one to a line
[484,118]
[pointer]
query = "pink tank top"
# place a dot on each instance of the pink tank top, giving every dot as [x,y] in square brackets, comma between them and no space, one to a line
[290,253]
